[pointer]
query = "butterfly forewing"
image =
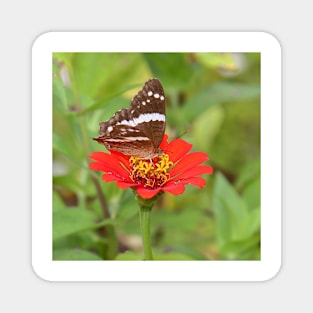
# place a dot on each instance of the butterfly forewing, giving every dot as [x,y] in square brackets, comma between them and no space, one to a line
[138,130]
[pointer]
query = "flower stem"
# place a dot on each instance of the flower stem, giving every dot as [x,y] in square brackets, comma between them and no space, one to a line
[146,206]
[144,216]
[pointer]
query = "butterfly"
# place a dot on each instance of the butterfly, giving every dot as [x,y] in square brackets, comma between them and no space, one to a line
[138,130]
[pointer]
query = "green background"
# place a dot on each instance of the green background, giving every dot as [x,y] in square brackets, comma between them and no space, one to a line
[213,102]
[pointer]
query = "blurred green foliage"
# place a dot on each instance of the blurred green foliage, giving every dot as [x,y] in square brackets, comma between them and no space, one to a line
[213,102]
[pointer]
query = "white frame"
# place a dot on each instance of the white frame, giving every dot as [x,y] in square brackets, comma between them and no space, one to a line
[270,262]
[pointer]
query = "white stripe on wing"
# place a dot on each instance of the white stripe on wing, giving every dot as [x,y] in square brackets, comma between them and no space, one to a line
[127,139]
[146,117]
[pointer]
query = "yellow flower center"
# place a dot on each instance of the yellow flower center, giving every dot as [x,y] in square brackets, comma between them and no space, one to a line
[150,173]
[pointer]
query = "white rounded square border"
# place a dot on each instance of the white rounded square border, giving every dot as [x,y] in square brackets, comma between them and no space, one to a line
[261,42]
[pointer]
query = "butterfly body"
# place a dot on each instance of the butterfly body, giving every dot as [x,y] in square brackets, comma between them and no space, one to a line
[138,130]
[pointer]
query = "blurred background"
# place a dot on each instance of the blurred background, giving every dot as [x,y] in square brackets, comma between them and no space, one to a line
[213,102]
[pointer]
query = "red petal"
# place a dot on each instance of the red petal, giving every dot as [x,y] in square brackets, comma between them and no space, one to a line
[195,171]
[117,171]
[175,189]
[120,184]
[109,178]
[147,193]
[124,184]
[190,160]
[177,149]
[197,181]
[122,158]
[107,163]
[98,156]
[164,142]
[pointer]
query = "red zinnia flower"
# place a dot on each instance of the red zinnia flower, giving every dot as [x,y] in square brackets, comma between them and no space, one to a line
[168,172]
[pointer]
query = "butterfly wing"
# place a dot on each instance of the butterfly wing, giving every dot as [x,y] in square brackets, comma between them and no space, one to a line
[148,110]
[138,130]
[126,139]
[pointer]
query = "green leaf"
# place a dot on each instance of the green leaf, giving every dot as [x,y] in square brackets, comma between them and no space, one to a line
[173,256]
[133,256]
[238,141]
[59,99]
[188,251]
[186,220]
[217,60]
[254,221]
[124,206]
[172,69]
[75,255]
[207,126]
[112,100]
[63,58]
[230,211]
[58,204]
[249,181]
[99,74]
[88,76]
[75,220]
[252,194]
[68,183]
[248,174]
[218,93]
[235,224]
[128,256]
[242,249]
[61,145]
[88,241]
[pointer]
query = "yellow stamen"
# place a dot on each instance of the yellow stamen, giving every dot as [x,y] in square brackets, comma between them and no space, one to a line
[151,173]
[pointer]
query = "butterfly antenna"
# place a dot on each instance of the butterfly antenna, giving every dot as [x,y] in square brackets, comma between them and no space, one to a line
[187,131]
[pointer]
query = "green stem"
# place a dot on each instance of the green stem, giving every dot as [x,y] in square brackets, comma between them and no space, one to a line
[146,206]
[144,216]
